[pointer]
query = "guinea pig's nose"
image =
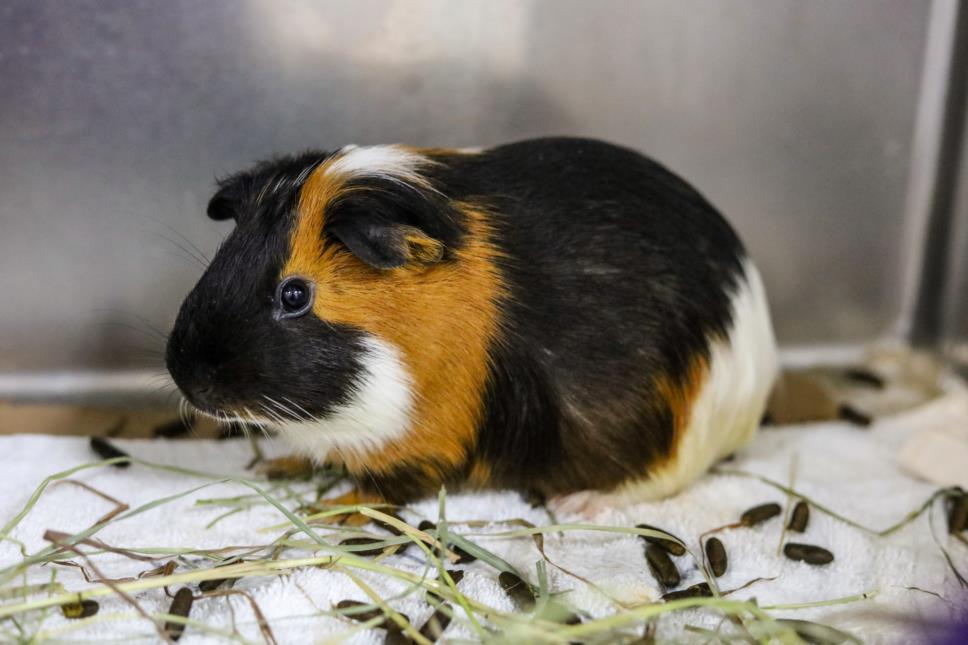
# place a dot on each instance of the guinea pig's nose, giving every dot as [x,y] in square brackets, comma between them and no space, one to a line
[198,385]
[202,392]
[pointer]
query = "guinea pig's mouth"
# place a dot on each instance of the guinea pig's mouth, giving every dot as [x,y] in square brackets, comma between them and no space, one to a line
[226,416]
[256,410]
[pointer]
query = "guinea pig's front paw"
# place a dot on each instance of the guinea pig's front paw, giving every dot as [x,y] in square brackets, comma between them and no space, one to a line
[288,467]
[350,498]
[586,503]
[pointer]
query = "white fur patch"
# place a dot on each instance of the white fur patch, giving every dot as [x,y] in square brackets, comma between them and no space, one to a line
[730,405]
[388,162]
[378,412]
[726,412]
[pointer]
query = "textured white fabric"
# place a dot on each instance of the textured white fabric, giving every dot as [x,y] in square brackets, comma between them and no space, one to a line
[851,470]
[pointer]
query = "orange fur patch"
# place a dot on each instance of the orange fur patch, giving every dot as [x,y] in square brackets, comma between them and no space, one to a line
[680,396]
[441,317]
[479,475]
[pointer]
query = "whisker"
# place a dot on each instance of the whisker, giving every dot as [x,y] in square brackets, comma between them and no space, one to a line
[158,389]
[183,411]
[149,326]
[306,416]
[181,256]
[281,408]
[149,333]
[201,254]
[270,412]
[199,261]
[253,420]
[274,413]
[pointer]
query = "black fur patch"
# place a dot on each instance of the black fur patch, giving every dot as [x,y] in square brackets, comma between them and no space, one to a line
[408,481]
[523,420]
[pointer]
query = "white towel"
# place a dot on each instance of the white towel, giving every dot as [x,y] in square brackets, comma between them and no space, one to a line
[851,470]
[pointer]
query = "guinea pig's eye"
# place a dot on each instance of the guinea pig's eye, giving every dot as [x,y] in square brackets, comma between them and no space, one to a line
[294,297]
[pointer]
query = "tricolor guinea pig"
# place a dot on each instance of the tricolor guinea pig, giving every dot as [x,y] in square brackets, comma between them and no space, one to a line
[564,317]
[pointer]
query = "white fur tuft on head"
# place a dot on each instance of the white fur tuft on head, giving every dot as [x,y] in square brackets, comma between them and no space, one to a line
[392,162]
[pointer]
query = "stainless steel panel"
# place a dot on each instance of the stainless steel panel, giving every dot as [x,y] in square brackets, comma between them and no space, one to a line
[933,185]
[954,296]
[794,117]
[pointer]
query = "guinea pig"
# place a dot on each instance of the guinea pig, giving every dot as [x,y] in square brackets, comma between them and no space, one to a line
[560,316]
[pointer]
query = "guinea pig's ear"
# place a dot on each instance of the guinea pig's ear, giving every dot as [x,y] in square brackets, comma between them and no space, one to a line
[226,203]
[384,244]
[389,224]
[220,208]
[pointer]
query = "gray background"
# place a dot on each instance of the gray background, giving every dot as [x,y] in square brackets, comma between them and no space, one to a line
[796,118]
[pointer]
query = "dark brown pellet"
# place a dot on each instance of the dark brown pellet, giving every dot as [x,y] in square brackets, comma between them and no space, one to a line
[669,545]
[358,616]
[950,499]
[661,566]
[455,574]
[648,635]
[808,553]
[181,605]
[958,514]
[517,589]
[173,429]
[799,517]
[716,554]
[369,614]
[463,557]
[853,415]
[866,377]
[107,450]
[760,514]
[700,590]
[571,618]
[436,624]
[82,609]
[815,633]
[362,541]
[387,526]
[395,636]
[211,585]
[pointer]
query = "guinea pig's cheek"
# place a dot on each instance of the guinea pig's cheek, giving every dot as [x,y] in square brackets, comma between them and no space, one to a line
[377,411]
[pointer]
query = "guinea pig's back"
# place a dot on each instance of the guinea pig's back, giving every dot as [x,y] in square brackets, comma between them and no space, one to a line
[595,234]
[633,319]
